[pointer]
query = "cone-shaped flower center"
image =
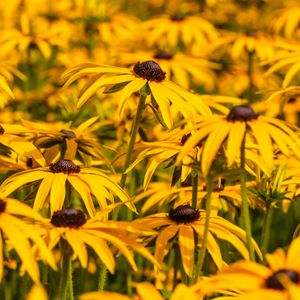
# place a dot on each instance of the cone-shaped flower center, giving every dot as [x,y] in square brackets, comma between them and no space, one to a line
[149,70]
[1,130]
[177,17]
[184,214]
[292,100]
[242,113]
[64,166]
[163,55]
[2,206]
[68,217]
[274,281]
[69,134]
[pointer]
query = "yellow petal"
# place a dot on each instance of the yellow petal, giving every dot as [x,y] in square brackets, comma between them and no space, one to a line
[235,138]
[78,246]
[147,291]
[58,191]
[83,189]
[187,247]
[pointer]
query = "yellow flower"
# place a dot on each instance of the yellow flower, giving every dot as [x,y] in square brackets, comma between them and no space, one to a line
[87,182]
[256,281]
[194,69]
[256,42]
[44,36]
[145,291]
[146,74]
[71,225]
[12,136]
[172,30]
[186,223]
[64,140]
[229,131]
[17,231]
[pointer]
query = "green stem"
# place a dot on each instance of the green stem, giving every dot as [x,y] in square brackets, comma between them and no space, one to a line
[129,283]
[251,89]
[194,191]
[265,238]
[70,281]
[134,130]
[102,278]
[176,266]
[66,277]
[245,207]
[209,189]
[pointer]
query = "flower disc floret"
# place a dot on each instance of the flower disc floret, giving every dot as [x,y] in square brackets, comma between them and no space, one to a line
[69,133]
[65,166]
[184,214]
[242,113]
[68,217]
[274,281]
[177,17]
[2,206]
[149,70]
[163,55]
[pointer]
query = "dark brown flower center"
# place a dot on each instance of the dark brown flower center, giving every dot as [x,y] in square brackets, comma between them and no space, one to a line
[1,130]
[64,166]
[184,214]
[68,133]
[292,100]
[163,55]
[242,113]
[274,281]
[177,17]
[149,70]
[68,217]
[2,206]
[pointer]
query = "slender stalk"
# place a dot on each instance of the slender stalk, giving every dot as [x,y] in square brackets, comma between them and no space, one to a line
[102,278]
[251,89]
[129,284]
[245,207]
[70,281]
[194,191]
[66,276]
[134,130]
[209,189]
[265,238]
[176,266]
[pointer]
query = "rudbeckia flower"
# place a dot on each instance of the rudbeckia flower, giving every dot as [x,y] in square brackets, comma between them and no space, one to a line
[12,136]
[256,281]
[145,291]
[149,74]
[230,131]
[172,30]
[44,36]
[187,225]
[87,182]
[64,140]
[71,225]
[15,218]
[195,69]
[256,42]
